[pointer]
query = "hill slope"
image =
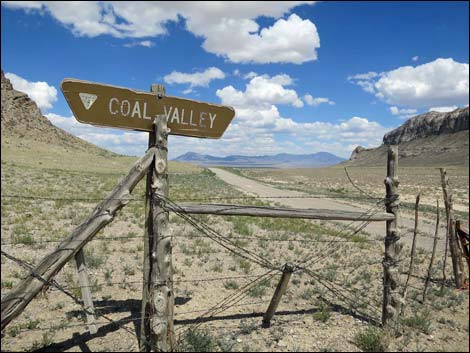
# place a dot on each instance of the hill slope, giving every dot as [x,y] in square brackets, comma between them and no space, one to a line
[281,160]
[428,139]
[21,120]
[30,139]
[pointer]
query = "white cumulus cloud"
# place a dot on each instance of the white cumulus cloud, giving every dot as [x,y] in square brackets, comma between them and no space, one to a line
[202,78]
[287,41]
[443,109]
[142,43]
[308,98]
[440,82]
[403,113]
[250,75]
[262,92]
[43,94]
[120,141]
[258,123]
[228,29]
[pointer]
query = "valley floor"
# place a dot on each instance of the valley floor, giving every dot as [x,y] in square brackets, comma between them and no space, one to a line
[333,307]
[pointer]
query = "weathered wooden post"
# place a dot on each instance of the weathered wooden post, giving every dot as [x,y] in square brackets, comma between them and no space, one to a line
[86,291]
[278,293]
[413,249]
[464,241]
[157,333]
[454,250]
[392,299]
[434,245]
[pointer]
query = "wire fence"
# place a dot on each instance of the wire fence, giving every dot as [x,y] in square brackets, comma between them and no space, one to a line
[366,307]
[69,198]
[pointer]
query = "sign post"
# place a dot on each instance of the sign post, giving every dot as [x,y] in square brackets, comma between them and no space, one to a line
[160,115]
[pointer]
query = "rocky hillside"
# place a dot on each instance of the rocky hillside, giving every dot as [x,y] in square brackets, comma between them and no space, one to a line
[22,123]
[428,139]
[429,124]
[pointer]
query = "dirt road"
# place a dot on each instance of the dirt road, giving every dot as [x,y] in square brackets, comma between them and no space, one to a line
[255,188]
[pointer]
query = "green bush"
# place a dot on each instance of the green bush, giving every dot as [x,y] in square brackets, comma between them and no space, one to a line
[259,289]
[324,312]
[420,321]
[231,284]
[247,327]
[198,341]
[371,339]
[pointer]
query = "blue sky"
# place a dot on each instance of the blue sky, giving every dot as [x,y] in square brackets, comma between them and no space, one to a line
[303,77]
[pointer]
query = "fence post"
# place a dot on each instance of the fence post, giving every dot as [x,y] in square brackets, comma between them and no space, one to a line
[454,250]
[434,245]
[86,290]
[157,333]
[413,249]
[464,241]
[278,293]
[392,299]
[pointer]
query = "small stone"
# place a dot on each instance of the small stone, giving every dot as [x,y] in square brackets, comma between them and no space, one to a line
[282,344]
[239,340]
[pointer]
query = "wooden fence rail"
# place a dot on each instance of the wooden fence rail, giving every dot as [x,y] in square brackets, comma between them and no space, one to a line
[14,302]
[278,212]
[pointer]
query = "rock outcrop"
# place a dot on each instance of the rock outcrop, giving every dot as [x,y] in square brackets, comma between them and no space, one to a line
[432,138]
[23,122]
[429,124]
[355,154]
[20,114]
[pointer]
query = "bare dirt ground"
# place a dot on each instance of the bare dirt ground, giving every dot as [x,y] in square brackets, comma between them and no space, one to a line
[337,309]
[298,199]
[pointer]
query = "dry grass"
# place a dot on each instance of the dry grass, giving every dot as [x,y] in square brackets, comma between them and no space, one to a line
[53,320]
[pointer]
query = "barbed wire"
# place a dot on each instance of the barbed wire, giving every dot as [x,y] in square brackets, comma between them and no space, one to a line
[357,187]
[229,301]
[142,198]
[224,241]
[308,260]
[121,238]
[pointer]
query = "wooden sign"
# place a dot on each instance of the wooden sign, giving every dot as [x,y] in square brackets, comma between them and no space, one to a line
[111,106]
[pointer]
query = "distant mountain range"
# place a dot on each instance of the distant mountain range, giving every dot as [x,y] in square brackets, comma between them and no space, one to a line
[281,160]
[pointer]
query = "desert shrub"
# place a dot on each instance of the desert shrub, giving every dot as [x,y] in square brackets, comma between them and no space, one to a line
[372,339]
[323,313]
[420,321]
[260,288]
[231,284]
[247,327]
[198,341]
